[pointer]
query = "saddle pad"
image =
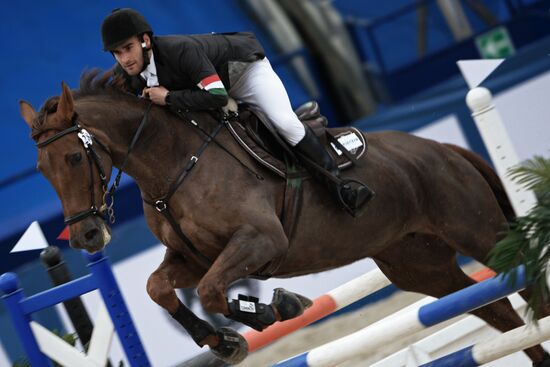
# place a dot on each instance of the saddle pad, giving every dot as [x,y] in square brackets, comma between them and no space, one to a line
[345,145]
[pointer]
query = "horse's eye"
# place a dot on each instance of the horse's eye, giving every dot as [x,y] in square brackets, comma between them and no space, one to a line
[74,159]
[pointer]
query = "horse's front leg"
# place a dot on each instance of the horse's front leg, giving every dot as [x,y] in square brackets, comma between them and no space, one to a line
[174,273]
[249,250]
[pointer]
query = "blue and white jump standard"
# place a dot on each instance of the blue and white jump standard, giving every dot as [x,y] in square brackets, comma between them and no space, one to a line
[400,325]
[39,342]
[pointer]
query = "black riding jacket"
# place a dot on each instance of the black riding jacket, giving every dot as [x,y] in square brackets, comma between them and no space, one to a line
[189,66]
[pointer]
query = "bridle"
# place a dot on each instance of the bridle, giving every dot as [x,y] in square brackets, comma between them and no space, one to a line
[87,140]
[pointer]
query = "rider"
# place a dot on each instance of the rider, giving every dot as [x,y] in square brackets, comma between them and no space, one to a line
[200,72]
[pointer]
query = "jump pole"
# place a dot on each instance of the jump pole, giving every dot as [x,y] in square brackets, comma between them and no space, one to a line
[497,347]
[395,327]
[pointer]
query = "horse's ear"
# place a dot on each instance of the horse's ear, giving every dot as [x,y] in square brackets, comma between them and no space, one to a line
[27,112]
[65,107]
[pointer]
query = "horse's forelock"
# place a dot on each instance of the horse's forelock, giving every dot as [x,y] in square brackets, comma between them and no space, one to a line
[49,107]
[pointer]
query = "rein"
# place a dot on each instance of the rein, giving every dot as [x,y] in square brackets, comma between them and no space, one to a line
[116,182]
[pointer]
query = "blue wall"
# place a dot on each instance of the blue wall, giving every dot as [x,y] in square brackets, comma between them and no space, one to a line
[47,42]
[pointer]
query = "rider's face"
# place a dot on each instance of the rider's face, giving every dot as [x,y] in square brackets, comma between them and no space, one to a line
[130,56]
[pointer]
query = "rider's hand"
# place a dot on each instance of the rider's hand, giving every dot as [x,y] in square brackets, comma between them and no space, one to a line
[156,94]
[230,107]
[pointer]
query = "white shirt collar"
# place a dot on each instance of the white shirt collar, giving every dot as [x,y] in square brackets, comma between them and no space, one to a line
[150,72]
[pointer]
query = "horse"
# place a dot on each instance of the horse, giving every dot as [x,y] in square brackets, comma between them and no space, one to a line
[433,201]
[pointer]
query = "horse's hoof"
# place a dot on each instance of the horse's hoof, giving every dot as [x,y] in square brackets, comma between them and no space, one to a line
[545,362]
[288,304]
[232,348]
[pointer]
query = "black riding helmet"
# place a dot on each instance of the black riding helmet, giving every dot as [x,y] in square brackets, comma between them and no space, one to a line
[121,24]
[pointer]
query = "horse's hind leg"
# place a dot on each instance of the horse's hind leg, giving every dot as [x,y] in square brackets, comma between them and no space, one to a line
[249,250]
[426,264]
[173,273]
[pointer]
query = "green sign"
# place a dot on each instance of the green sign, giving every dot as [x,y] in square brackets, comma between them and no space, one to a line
[495,44]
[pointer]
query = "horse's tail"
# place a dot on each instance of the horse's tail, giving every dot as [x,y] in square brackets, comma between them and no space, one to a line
[490,176]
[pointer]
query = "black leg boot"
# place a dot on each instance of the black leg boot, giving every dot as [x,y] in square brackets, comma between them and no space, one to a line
[352,194]
[232,348]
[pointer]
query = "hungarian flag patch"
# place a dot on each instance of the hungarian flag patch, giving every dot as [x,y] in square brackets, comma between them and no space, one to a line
[212,84]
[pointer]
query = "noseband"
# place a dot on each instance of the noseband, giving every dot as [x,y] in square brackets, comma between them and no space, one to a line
[87,140]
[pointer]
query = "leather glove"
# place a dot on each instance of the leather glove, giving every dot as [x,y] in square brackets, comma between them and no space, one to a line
[231,108]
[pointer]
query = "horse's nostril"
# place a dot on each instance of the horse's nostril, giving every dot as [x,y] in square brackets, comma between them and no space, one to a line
[91,233]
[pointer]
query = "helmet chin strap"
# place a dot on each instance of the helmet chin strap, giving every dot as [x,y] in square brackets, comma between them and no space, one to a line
[146,58]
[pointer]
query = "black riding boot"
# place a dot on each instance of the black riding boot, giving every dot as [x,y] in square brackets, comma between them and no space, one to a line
[352,196]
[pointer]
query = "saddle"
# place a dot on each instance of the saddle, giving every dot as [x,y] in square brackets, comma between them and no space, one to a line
[257,135]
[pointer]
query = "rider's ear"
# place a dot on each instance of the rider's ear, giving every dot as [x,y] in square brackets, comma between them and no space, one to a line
[146,41]
[27,112]
[65,108]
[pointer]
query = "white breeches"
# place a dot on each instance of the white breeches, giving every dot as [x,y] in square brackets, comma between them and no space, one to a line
[261,88]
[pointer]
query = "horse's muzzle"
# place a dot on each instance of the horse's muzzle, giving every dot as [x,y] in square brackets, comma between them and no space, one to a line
[90,234]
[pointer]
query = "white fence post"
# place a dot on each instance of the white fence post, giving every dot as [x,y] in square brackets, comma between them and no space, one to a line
[499,146]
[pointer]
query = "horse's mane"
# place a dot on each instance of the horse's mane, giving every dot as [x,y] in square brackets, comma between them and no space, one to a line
[93,82]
